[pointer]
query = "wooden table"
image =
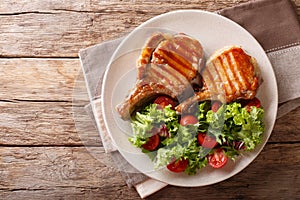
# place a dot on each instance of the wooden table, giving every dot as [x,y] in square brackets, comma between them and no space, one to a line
[42,155]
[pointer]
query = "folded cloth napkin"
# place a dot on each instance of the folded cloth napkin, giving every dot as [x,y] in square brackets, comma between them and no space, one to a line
[273,23]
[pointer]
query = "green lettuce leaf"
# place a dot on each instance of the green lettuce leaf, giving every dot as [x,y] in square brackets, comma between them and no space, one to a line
[234,123]
[144,121]
[183,145]
[230,125]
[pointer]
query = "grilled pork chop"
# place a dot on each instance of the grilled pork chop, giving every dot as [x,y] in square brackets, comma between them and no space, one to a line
[230,74]
[167,65]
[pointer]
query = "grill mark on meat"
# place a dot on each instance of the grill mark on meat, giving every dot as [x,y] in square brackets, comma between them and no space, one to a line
[168,53]
[146,53]
[188,43]
[241,82]
[232,77]
[221,90]
[167,76]
[249,70]
[179,80]
[208,82]
[191,54]
[222,79]
[237,80]
[175,75]
[212,79]
[244,67]
[165,57]
[226,73]
[186,49]
[161,78]
[176,47]
[176,62]
[243,74]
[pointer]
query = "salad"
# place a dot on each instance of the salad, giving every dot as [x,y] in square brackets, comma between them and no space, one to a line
[210,136]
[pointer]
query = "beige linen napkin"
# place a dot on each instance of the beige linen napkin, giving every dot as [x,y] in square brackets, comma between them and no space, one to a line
[273,23]
[94,61]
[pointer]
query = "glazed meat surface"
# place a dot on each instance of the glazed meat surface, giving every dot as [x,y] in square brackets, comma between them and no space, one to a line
[230,74]
[167,65]
[182,53]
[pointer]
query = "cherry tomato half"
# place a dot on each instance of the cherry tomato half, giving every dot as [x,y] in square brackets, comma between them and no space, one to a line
[188,119]
[178,165]
[217,159]
[215,106]
[253,102]
[164,101]
[152,143]
[206,141]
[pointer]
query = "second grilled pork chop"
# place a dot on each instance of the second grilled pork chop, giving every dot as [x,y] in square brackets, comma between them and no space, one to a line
[230,74]
[167,65]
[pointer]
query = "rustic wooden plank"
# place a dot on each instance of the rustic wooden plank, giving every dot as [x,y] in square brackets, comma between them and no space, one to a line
[38,29]
[9,7]
[39,105]
[287,128]
[60,171]
[72,193]
[45,123]
[38,79]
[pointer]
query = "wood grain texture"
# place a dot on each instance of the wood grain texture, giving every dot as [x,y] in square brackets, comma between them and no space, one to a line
[39,105]
[45,123]
[60,28]
[38,79]
[58,173]
[50,149]
[67,173]
[287,128]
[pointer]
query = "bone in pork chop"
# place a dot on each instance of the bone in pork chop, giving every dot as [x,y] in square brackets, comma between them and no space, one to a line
[230,74]
[167,65]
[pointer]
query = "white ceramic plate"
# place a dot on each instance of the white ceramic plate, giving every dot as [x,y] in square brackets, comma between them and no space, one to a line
[214,32]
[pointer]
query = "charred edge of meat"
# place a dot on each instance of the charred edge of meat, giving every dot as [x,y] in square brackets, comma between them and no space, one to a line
[188,104]
[197,82]
[142,95]
[141,105]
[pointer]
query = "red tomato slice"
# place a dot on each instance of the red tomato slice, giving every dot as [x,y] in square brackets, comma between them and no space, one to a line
[178,165]
[217,159]
[164,101]
[188,119]
[152,143]
[206,141]
[253,102]
[215,106]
